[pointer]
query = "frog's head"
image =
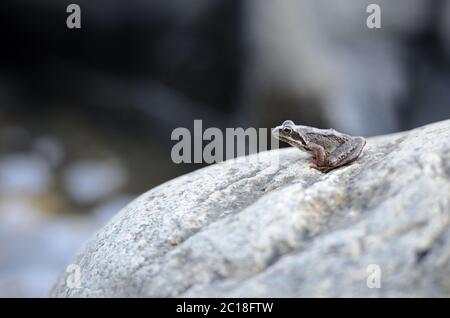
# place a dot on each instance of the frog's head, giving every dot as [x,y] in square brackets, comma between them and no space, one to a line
[289,133]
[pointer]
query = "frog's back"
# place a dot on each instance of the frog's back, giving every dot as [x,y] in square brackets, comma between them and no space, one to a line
[333,139]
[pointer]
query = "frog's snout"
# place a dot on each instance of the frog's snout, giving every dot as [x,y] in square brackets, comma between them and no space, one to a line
[276,132]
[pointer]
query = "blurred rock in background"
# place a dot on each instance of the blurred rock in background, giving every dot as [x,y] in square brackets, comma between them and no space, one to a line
[318,61]
[86,115]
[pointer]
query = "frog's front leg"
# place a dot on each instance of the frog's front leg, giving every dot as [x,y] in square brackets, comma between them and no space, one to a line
[319,156]
[344,154]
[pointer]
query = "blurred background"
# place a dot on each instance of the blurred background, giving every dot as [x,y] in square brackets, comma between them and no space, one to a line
[86,114]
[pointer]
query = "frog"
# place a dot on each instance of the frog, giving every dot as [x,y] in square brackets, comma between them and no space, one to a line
[329,148]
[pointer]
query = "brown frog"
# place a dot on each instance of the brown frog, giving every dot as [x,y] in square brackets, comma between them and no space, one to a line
[329,148]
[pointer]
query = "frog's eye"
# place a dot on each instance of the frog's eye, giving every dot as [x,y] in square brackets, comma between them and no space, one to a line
[287,130]
[288,123]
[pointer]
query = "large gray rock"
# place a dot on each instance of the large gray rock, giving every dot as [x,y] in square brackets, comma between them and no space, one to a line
[256,226]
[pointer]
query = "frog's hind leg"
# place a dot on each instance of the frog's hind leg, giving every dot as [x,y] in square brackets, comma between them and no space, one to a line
[346,153]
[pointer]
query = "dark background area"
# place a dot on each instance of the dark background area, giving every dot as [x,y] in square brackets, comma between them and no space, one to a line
[86,114]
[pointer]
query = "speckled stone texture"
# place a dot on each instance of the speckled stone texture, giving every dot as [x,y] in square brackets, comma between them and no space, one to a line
[269,225]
